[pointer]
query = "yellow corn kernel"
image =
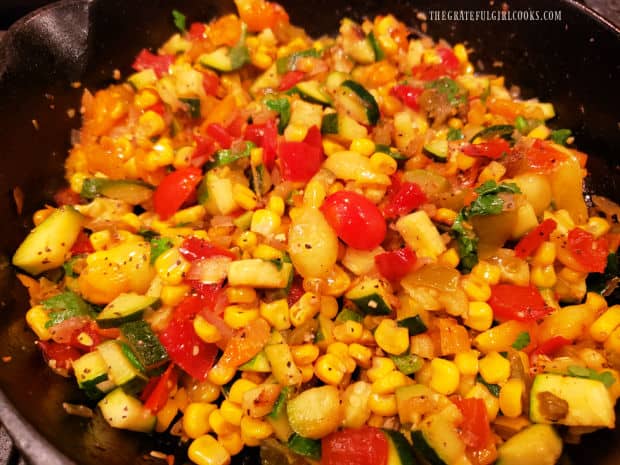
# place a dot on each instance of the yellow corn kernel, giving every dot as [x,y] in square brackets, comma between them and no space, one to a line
[240,295]
[363,146]
[132,222]
[376,421]
[245,197]
[305,309]
[276,313]
[37,318]
[382,163]
[239,388]
[445,216]
[247,240]
[597,226]
[219,425]
[390,382]
[348,332]
[189,215]
[543,276]
[196,419]
[161,155]
[151,124]
[206,331]
[205,450]
[510,398]
[545,254]
[476,289]
[304,354]
[265,222]
[341,350]
[145,98]
[455,123]
[182,157]
[562,218]
[181,398]
[76,182]
[41,215]
[392,338]
[445,376]
[460,52]
[171,267]
[276,205]
[605,324]
[431,57]
[540,132]
[383,404]
[487,272]
[572,276]
[266,252]
[361,354]
[221,374]
[329,306]
[330,369]
[467,362]
[166,415]
[330,147]
[464,162]
[232,442]
[480,391]
[314,194]
[256,156]
[493,171]
[255,428]
[479,316]
[238,317]
[381,366]
[449,258]
[173,295]
[494,368]
[231,412]
[307,372]
[295,132]
[100,240]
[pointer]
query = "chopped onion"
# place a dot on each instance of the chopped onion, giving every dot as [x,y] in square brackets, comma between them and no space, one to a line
[210,270]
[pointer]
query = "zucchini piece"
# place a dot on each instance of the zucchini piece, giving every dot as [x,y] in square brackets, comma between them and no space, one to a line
[259,363]
[259,273]
[415,325]
[437,150]
[399,449]
[305,447]
[225,59]
[142,79]
[45,247]
[395,154]
[289,62]
[278,418]
[379,54]
[216,194]
[407,364]
[534,445]
[421,234]
[438,439]
[228,156]
[313,92]
[145,345]
[126,412]
[329,124]
[410,398]
[349,129]
[357,102]
[91,373]
[499,130]
[122,370]
[125,308]
[130,191]
[587,401]
[370,296]
[268,80]
[347,314]
[430,183]
[334,79]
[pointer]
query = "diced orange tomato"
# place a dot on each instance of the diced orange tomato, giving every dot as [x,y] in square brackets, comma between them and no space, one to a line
[259,14]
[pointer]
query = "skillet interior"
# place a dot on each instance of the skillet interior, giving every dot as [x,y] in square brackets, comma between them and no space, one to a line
[573,63]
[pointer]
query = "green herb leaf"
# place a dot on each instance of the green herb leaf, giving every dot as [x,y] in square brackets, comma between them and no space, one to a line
[158,246]
[179,20]
[66,305]
[228,156]
[68,266]
[283,107]
[384,148]
[606,377]
[455,134]
[455,94]
[560,136]
[522,341]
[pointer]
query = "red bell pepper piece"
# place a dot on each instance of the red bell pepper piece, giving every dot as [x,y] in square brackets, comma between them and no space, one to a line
[407,94]
[448,58]
[82,244]
[296,291]
[67,197]
[265,136]
[549,347]
[521,303]
[532,240]
[542,157]
[475,429]
[591,253]
[220,135]
[299,161]
[449,66]
[158,108]
[197,31]
[355,446]
[290,79]
[175,190]
[205,148]
[493,149]
[157,391]
[403,198]
[394,265]
[195,248]
[158,63]
[63,354]
[210,82]
[246,343]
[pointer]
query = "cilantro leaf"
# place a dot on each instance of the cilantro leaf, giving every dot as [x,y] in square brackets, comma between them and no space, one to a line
[522,340]
[283,107]
[560,136]
[384,148]
[606,377]
[227,156]
[66,305]
[158,246]
[455,134]
[68,267]
[179,20]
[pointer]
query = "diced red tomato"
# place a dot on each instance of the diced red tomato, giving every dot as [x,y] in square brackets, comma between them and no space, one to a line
[158,108]
[591,253]
[360,446]
[60,355]
[296,291]
[82,244]
[407,94]
[394,265]
[220,135]
[265,136]
[475,429]
[532,240]
[259,14]
[205,148]
[158,63]
[194,248]
[449,66]
[403,198]
[542,157]
[299,161]
[210,81]
[157,391]
[290,79]
[521,303]
[246,343]
[67,197]
[493,149]
[356,220]
[175,190]
[548,348]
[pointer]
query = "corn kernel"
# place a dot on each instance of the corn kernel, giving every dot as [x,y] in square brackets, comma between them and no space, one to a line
[182,157]
[597,226]
[314,194]
[445,216]
[445,376]
[460,52]
[479,391]
[449,258]
[247,240]
[295,132]
[467,362]
[265,222]
[540,132]
[238,317]
[166,415]
[221,374]
[381,366]
[479,316]
[276,205]
[205,450]
[37,318]
[545,254]
[238,389]
[256,156]
[244,196]
[255,428]
[206,331]
[487,272]
[341,350]
[363,146]
[219,425]
[390,382]
[330,147]
[360,354]
[475,288]
[572,276]
[173,295]
[543,276]
[307,372]
[232,442]
[41,215]
[510,398]
[276,313]
[305,309]
[240,295]
[266,252]
[494,368]
[196,419]
[304,354]
[189,215]
[382,163]
[329,306]
[146,98]
[464,162]
[171,267]
[262,60]
[151,124]
[605,324]
[231,412]
[376,421]
[100,240]
[348,332]
[330,369]
[392,338]
[383,404]
[161,155]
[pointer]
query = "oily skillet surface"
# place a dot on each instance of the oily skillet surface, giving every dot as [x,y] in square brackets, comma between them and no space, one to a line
[573,63]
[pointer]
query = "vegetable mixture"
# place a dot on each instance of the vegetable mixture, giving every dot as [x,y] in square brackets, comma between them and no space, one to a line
[351,250]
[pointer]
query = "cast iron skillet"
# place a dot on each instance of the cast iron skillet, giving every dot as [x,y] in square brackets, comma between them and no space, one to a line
[572,62]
